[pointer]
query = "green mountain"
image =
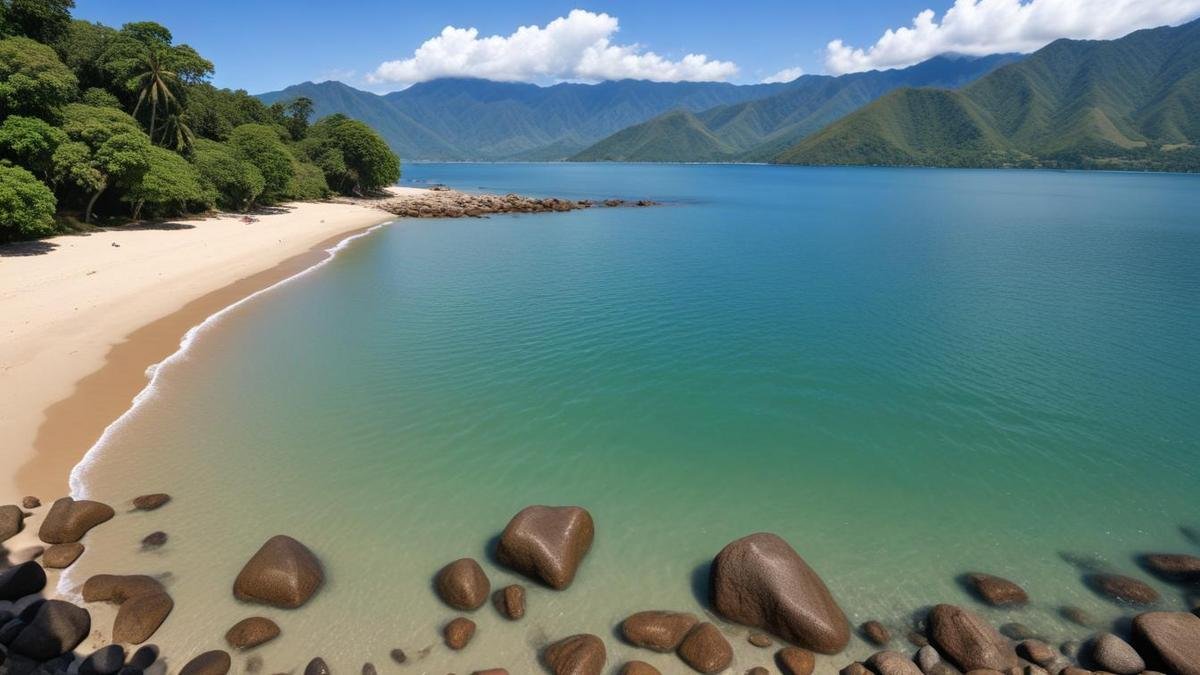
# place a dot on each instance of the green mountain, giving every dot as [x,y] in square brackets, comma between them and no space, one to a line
[471,119]
[1127,103]
[758,129]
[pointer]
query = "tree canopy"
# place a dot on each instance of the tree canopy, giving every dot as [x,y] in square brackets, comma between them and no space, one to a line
[26,205]
[354,158]
[32,79]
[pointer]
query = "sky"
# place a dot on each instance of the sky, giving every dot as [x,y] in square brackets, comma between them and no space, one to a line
[384,45]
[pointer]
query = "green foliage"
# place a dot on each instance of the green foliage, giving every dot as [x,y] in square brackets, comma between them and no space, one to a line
[26,205]
[82,47]
[298,113]
[105,148]
[214,113]
[30,142]
[308,182]
[352,156]
[675,136]
[226,181]
[169,185]
[100,98]
[41,20]
[32,79]
[261,146]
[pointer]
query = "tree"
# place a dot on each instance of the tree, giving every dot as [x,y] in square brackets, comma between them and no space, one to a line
[354,158]
[31,143]
[298,113]
[168,186]
[104,148]
[41,20]
[155,86]
[26,205]
[226,181]
[32,79]
[176,132]
[261,146]
[308,182]
[100,98]
[82,48]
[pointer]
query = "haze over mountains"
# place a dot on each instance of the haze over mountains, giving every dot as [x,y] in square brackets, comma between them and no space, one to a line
[1127,103]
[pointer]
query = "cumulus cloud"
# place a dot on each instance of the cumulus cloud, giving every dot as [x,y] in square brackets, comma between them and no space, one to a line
[576,47]
[981,27]
[785,75]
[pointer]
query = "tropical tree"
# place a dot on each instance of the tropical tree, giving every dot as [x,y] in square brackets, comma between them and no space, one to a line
[31,143]
[176,132]
[42,20]
[168,186]
[354,158]
[155,85]
[105,148]
[261,146]
[226,180]
[298,113]
[32,79]
[26,205]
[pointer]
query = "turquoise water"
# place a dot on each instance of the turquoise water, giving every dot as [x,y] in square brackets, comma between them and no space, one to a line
[909,374]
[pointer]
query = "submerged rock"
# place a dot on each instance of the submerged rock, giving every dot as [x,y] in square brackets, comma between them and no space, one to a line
[398,655]
[705,649]
[1037,652]
[968,641]
[996,591]
[760,581]
[24,579]
[1122,589]
[463,585]
[547,543]
[251,632]
[154,540]
[661,631]
[151,502]
[1170,640]
[582,654]
[68,520]
[317,667]
[1173,567]
[510,601]
[1116,656]
[1076,616]
[55,628]
[795,661]
[458,633]
[875,633]
[283,573]
[62,556]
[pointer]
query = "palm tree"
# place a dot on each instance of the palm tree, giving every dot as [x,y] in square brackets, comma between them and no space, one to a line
[155,84]
[176,133]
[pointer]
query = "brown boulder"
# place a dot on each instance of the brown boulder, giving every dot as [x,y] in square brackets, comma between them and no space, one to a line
[795,661]
[251,632]
[1176,568]
[68,520]
[1115,655]
[1169,640]
[458,633]
[639,668]
[462,585]
[875,633]
[760,581]
[547,543]
[968,641]
[582,654]
[893,663]
[1123,589]
[116,588]
[283,573]
[660,631]
[140,616]
[1037,652]
[61,556]
[150,502]
[705,649]
[510,601]
[12,521]
[55,628]
[996,591]
[215,662]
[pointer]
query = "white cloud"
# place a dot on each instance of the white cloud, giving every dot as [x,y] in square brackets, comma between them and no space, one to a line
[575,47]
[981,27]
[785,75]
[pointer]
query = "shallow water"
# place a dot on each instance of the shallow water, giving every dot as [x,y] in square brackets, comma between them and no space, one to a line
[908,374]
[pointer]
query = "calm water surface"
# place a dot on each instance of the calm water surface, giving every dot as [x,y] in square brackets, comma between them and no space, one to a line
[908,374]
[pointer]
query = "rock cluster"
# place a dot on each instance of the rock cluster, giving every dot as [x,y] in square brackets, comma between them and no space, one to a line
[447,203]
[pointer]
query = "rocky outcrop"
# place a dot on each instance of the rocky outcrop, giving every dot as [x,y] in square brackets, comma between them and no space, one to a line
[1123,589]
[454,204]
[996,591]
[54,629]
[283,573]
[1170,641]
[62,556]
[251,632]
[463,585]
[705,649]
[24,579]
[68,520]
[968,641]
[661,631]
[760,581]
[582,654]
[458,633]
[547,543]
[215,662]
[510,601]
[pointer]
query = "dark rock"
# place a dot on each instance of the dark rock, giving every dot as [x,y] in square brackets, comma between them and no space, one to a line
[144,657]
[510,601]
[154,540]
[1122,589]
[795,661]
[117,588]
[1076,616]
[369,669]
[458,633]
[463,585]
[31,502]
[104,661]
[251,632]
[1169,640]
[760,581]
[150,502]
[22,580]
[1037,652]
[62,556]
[140,616]
[582,654]
[56,628]
[1173,567]
[1116,656]
[12,521]
[283,573]
[760,640]
[875,633]
[317,667]
[491,671]
[547,543]
[639,668]
[10,629]
[68,520]
[660,631]
[399,656]
[209,663]
[1017,631]
[705,649]
[893,663]
[968,641]
[996,591]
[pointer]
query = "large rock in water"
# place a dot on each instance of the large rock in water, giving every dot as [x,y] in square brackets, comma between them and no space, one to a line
[661,631]
[1169,640]
[1123,589]
[12,521]
[996,591]
[22,580]
[215,662]
[117,588]
[761,581]
[68,520]
[1115,656]
[56,628]
[252,632]
[1174,567]
[283,573]
[705,649]
[463,585]
[968,641]
[577,655]
[140,616]
[547,543]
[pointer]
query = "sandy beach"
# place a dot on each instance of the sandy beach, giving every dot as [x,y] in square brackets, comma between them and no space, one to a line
[87,315]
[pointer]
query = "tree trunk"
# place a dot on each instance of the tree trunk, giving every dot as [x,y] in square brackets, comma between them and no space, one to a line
[137,209]
[87,216]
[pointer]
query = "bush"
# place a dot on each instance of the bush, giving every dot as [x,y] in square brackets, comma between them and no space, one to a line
[261,146]
[308,182]
[26,205]
[226,181]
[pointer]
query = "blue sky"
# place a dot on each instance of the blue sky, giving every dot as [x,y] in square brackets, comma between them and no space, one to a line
[260,45]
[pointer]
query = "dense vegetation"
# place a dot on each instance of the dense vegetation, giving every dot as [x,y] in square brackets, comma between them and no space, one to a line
[110,124]
[1132,103]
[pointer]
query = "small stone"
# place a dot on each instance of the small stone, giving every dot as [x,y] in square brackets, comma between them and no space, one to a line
[399,656]
[1017,631]
[968,641]
[661,631]
[12,521]
[760,640]
[62,556]
[705,649]
[31,502]
[104,661]
[758,670]
[582,654]
[855,668]
[875,633]
[1122,589]
[795,661]
[68,520]
[996,591]
[510,602]
[458,633]
[252,632]
[916,639]
[369,669]
[150,502]
[1116,656]
[1037,651]
[254,664]
[154,540]
[1070,649]
[639,668]
[893,663]
[215,662]
[317,667]
[463,585]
